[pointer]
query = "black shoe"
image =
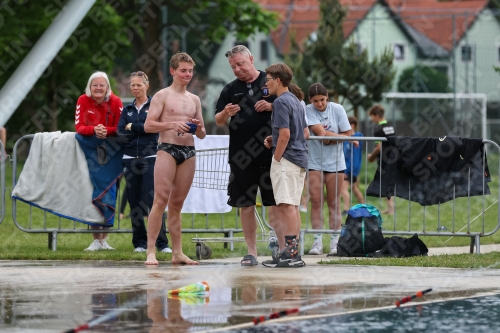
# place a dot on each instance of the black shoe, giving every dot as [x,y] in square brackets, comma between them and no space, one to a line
[284,259]
[294,262]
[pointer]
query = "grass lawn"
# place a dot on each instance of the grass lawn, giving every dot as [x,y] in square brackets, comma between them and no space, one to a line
[17,244]
[487,260]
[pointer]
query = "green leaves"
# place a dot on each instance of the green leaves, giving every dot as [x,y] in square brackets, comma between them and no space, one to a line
[115,36]
[93,46]
[423,79]
[194,26]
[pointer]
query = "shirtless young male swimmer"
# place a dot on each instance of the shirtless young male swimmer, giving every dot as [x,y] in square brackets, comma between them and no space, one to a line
[171,108]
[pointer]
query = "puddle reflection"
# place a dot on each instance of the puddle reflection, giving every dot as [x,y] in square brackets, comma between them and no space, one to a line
[152,311]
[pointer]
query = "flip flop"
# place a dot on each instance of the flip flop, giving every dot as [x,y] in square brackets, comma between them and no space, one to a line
[247,258]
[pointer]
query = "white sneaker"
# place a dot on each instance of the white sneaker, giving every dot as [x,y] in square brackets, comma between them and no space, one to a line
[105,245]
[317,247]
[95,246]
[139,249]
[165,250]
[333,246]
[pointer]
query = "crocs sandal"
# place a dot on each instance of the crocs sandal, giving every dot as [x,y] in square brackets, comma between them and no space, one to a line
[249,260]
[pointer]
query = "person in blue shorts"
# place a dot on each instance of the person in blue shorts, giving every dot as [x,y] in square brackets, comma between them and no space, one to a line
[353,160]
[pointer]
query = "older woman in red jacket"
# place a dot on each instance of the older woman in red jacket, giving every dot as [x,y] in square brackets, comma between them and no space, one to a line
[97,113]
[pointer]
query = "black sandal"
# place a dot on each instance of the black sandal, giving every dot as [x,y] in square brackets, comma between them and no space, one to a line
[249,260]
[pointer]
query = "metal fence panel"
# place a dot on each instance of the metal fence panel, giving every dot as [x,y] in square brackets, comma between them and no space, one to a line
[472,217]
[212,172]
[464,217]
[3,158]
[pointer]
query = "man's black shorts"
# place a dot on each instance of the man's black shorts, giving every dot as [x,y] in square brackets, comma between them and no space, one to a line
[243,184]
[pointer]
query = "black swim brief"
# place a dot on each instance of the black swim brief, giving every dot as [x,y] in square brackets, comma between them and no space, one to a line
[178,152]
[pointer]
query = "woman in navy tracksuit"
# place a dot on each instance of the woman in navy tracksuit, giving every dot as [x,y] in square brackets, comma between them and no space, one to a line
[138,162]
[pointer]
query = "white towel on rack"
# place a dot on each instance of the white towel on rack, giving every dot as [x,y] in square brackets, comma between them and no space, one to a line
[56,178]
[207,200]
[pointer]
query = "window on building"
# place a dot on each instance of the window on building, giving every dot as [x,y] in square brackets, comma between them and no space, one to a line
[241,43]
[466,53]
[264,50]
[399,52]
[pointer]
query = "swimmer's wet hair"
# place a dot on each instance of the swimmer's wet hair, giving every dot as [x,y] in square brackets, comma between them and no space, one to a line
[180,57]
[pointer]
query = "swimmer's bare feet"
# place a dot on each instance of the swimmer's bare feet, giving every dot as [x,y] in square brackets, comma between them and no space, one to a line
[183,259]
[151,259]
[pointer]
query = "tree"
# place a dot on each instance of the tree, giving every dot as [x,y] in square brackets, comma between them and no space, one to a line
[422,79]
[344,69]
[114,34]
[93,46]
[205,23]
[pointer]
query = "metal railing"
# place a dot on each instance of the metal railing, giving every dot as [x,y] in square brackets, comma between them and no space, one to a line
[3,158]
[210,173]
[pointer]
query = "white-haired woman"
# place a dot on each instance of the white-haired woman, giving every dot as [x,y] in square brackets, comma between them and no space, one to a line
[97,113]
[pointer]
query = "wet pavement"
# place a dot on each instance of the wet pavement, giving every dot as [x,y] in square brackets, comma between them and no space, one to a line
[54,296]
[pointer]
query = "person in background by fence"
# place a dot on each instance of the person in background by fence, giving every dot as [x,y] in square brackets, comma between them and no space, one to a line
[249,160]
[326,162]
[383,130]
[304,199]
[289,163]
[172,109]
[353,166]
[97,113]
[139,159]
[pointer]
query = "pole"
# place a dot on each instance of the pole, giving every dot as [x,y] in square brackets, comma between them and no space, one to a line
[164,18]
[41,55]
[454,69]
